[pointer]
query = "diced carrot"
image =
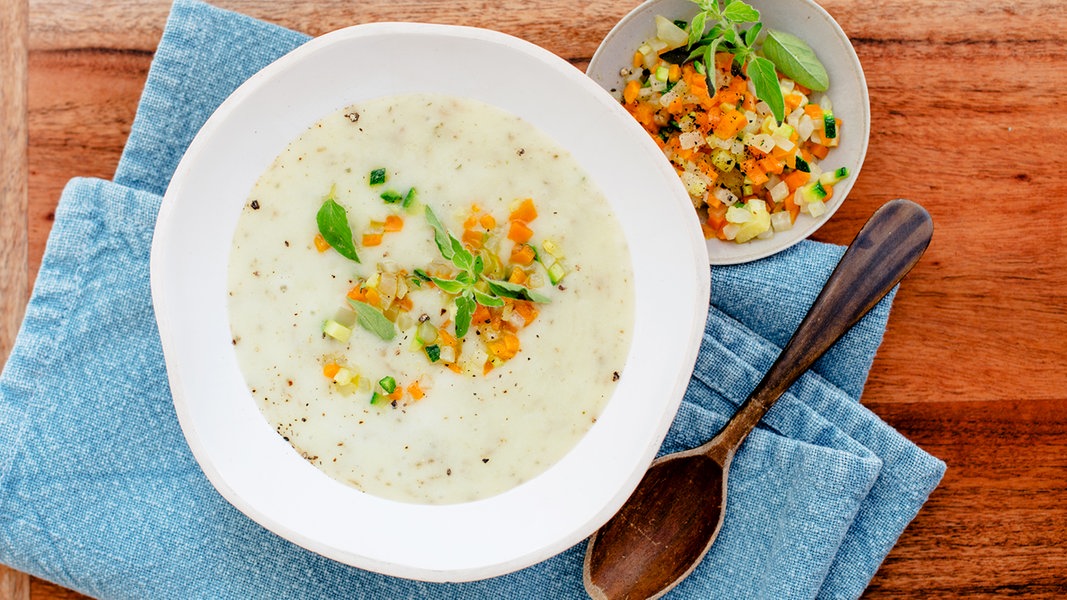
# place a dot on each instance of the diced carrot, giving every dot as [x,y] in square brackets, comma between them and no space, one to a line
[397,394]
[525,211]
[394,223]
[814,111]
[320,243]
[639,59]
[455,368]
[331,369]
[791,205]
[819,151]
[730,124]
[416,390]
[674,73]
[481,315]
[770,164]
[526,310]
[372,297]
[730,96]
[473,238]
[796,179]
[487,221]
[519,232]
[792,101]
[629,93]
[487,366]
[358,293]
[523,254]
[372,239]
[404,303]
[517,276]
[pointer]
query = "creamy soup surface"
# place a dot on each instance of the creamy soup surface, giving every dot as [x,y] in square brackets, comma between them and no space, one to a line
[465,423]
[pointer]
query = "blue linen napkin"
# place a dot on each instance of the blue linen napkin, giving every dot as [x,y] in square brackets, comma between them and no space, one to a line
[100,493]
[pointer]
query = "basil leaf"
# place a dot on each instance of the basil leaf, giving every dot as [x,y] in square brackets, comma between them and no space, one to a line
[739,12]
[333,225]
[506,289]
[487,300]
[373,320]
[478,266]
[464,310]
[761,72]
[796,60]
[440,234]
[449,286]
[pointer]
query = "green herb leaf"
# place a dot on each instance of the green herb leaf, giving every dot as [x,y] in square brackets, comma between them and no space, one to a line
[461,257]
[373,320]
[739,12]
[696,28]
[440,234]
[487,299]
[333,225]
[761,72]
[465,306]
[796,60]
[752,33]
[506,289]
[449,286]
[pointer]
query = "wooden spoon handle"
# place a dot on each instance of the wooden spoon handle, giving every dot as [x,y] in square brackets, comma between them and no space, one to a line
[885,249]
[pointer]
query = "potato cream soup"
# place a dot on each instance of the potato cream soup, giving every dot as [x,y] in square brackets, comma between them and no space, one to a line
[429,299]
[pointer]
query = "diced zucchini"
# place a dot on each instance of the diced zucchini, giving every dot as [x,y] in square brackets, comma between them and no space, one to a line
[556,273]
[336,330]
[832,177]
[829,124]
[378,177]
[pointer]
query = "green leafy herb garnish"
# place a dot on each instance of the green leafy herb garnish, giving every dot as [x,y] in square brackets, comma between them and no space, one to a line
[373,320]
[333,225]
[796,59]
[470,286]
[735,27]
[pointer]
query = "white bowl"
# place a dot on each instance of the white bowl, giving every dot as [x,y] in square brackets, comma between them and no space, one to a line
[848,91]
[261,474]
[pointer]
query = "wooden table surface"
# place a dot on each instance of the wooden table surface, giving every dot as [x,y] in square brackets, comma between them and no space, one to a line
[967,119]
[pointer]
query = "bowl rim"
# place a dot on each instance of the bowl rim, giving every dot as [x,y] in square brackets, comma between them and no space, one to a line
[640,19]
[174,263]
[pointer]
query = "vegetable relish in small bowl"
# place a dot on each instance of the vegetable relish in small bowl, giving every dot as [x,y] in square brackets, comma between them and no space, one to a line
[760,107]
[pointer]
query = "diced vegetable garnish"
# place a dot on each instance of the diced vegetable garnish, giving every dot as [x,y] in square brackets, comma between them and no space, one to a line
[736,129]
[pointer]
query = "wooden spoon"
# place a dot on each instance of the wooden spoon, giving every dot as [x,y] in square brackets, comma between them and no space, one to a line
[670,521]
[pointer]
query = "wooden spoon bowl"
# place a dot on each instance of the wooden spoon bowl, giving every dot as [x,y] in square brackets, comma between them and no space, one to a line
[670,521]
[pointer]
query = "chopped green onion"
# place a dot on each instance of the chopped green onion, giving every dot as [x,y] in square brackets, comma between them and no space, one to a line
[377,177]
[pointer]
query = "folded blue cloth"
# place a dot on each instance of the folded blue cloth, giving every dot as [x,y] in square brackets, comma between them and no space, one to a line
[100,493]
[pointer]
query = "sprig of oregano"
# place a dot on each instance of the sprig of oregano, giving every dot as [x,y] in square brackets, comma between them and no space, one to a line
[466,285]
[735,27]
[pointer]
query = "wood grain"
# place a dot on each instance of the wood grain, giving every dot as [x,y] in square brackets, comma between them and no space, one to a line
[966,120]
[14,272]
